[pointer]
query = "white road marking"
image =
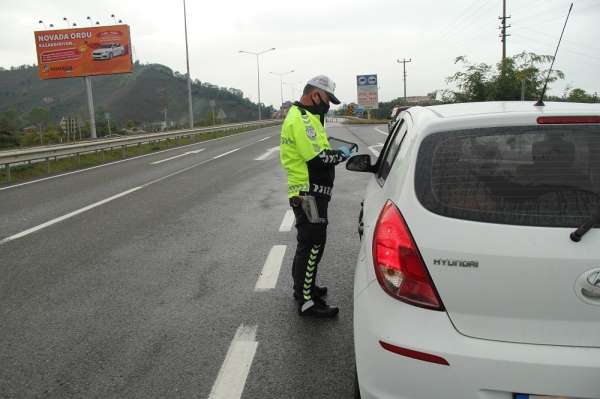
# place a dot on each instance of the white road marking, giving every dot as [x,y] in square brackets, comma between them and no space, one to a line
[122,160]
[288,221]
[263,139]
[373,150]
[267,154]
[68,215]
[177,156]
[270,272]
[104,201]
[381,131]
[232,377]
[226,153]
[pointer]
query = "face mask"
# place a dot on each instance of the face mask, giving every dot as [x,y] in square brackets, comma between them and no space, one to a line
[319,109]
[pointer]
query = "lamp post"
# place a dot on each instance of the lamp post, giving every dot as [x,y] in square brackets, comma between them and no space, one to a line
[187,61]
[258,72]
[281,75]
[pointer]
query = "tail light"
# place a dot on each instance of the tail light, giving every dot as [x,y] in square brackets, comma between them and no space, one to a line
[567,120]
[399,267]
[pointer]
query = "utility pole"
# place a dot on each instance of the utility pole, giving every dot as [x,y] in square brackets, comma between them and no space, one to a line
[404,61]
[503,27]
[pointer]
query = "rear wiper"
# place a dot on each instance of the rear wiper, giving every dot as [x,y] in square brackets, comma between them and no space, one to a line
[584,228]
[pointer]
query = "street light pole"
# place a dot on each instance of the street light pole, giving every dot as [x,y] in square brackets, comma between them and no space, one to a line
[258,73]
[281,75]
[189,79]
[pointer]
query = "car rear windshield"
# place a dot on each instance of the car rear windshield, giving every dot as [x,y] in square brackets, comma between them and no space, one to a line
[532,176]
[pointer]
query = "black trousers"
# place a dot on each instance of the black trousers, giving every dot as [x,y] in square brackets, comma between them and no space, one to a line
[309,251]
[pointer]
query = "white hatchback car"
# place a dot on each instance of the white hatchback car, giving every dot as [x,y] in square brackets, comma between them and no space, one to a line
[472,281]
[108,51]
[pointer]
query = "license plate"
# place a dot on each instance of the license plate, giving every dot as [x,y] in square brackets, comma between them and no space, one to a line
[527,396]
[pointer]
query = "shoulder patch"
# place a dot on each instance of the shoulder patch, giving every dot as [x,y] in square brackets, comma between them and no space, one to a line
[310,132]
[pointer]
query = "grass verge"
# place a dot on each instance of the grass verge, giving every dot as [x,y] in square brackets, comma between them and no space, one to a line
[43,168]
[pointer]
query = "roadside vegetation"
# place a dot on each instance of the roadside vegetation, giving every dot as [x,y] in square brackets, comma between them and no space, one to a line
[521,76]
[44,168]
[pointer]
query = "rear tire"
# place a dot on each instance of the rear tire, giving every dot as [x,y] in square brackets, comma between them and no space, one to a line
[356,386]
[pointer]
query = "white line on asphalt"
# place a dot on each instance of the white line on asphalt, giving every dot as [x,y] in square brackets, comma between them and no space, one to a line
[68,215]
[270,272]
[122,160]
[288,221]
[104,201]
[177,156]
[232,377]
[381,131]
[263,139]
[226,153]
[373,150]
[267,154]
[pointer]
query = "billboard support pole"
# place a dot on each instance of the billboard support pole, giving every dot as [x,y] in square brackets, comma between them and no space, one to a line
[90,98]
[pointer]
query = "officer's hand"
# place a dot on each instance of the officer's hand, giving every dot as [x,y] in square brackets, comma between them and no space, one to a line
[346,152]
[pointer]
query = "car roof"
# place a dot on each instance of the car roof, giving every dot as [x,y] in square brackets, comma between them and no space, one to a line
[509,112]
[495,107]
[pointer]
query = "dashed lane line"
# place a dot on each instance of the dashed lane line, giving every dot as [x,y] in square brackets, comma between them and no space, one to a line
[373,150]
[177,156]
[125,160]
[232,376]
[287,222]
[68,215]
[107,200]
[270,272]
[378,130]
[267,154]
[226,153]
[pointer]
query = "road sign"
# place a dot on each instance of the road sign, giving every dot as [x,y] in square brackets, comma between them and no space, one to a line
[367,91]
[67,53]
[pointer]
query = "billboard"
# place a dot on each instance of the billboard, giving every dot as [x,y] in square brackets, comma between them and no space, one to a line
[367,91]
[68,53]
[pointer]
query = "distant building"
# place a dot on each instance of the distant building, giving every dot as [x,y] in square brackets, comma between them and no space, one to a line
[71,127]
[283,110]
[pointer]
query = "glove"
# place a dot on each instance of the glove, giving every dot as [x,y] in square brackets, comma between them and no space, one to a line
[346,152]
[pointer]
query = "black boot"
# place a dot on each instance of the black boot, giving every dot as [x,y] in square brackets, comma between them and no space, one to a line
[318,309]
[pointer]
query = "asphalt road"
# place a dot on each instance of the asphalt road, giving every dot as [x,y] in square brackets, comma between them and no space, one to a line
[137,280]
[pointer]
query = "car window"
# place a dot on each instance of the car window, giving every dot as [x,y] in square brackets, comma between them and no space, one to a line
[533,176]
[390,150]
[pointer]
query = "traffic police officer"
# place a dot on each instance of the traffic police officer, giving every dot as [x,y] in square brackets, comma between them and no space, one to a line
[309,161]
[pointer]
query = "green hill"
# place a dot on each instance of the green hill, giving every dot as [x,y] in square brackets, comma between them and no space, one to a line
[139,97]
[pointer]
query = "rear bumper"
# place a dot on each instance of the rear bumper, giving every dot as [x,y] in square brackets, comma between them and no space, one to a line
[478,369]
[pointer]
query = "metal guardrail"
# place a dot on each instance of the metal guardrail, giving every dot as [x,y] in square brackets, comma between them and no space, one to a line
[29,155]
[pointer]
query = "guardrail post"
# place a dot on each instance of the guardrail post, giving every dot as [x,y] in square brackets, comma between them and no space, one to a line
[7,168]
[124,150]
[47,165]
[78,159]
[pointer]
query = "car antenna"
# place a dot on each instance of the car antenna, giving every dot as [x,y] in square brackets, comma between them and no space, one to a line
[540,102]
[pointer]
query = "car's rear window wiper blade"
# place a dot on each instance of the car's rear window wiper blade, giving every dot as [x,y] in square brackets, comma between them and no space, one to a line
[584,228]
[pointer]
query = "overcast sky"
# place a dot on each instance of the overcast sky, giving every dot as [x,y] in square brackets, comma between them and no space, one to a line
[333,37]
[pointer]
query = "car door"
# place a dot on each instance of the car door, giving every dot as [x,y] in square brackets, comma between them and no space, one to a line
[375,196]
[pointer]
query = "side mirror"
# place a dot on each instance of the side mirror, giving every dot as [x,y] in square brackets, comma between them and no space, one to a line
[360,163]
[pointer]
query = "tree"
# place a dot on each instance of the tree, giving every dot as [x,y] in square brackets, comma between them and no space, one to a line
[40,117]
[9,121]
[520,76]
[580,96]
